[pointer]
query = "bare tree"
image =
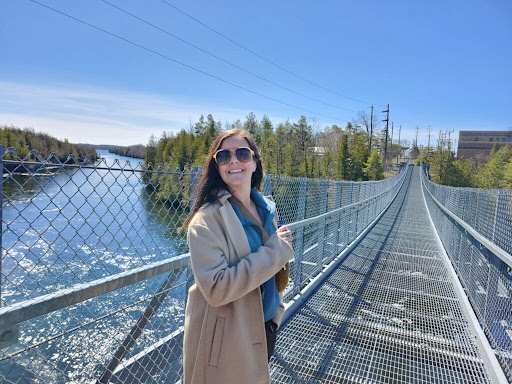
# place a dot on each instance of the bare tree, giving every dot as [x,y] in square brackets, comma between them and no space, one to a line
[364,120]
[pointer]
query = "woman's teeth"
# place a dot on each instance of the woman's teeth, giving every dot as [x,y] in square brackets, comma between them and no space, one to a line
[236,171]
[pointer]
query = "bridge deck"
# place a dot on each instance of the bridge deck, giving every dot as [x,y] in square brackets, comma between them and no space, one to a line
[388,314]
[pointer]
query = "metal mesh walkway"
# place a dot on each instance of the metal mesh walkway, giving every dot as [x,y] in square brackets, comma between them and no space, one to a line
[388,314]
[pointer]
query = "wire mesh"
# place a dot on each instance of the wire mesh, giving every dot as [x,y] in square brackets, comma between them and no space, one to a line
[65,224]
[387,314]
[486,278]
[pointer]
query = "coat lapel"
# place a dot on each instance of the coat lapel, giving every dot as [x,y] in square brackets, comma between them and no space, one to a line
[234,228]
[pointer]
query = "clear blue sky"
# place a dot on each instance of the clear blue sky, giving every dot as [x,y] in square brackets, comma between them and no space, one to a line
[444,64]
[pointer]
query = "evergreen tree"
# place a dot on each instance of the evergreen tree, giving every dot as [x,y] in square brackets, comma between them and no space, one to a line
[446,170]
[281,138]
[414,152]
[465,172]
[200,126]
[507,174]
[492,173]
[326,168]
[359,156]
[373,167]
[268,145]
[343,164]
[302,134]
[237,125]
[150,151]
[494,149]
[251,125]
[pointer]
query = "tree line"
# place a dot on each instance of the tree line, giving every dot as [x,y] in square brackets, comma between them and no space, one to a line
[290,148]
[24,140]
[447,169]
[138,151]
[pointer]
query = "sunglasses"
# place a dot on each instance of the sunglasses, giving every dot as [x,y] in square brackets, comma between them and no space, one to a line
[243,155]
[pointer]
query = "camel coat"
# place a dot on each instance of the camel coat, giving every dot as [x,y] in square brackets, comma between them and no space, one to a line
[224,339]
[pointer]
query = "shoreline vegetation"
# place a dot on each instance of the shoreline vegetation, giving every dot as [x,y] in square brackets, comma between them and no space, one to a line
[138,151]
[297,149]
[25,140]
[495,172]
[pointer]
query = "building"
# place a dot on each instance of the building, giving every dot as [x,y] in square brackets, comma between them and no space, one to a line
[478,144]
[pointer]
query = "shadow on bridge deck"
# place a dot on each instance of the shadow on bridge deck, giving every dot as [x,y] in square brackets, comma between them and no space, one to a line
[388,314]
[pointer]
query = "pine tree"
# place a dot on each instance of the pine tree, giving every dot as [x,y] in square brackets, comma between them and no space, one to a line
[359,156]
[342,169]
[281,137]
[414,152]
[373,167]
[268,145]
[302,134]
[492,173]
[507,175]
[251,125]
[494,149]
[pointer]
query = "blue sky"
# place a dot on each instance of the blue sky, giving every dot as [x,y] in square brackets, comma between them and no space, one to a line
[444,64]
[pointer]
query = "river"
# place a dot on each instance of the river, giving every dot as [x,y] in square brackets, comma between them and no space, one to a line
[76,226]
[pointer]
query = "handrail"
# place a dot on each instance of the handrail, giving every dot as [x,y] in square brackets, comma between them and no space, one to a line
[44,304]
[326,215]
[493,248]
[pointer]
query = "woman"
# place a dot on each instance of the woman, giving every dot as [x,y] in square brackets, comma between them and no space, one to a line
[233,309]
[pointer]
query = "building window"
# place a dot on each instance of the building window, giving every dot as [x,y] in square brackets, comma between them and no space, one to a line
[491,139]
[503,139]
[476,138]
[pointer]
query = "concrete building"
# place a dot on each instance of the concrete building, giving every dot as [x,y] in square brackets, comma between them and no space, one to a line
[478,144]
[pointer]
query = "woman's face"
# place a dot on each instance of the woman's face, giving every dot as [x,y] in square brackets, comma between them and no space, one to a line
[235,173]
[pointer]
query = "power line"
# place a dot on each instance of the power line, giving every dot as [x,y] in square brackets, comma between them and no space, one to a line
[263,58]
[223,60]
[181,63]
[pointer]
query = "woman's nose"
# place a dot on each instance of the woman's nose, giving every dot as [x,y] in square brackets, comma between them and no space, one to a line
[233,158]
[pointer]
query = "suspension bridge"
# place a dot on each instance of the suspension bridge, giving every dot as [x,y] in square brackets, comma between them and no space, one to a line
[395,281]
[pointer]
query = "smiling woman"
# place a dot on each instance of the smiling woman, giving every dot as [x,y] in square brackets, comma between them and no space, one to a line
[236,250]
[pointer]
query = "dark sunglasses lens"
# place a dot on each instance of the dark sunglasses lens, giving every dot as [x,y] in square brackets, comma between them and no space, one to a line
[223,157]
[243,155]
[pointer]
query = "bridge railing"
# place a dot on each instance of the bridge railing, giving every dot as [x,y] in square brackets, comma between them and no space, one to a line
[475,226]
[94,273]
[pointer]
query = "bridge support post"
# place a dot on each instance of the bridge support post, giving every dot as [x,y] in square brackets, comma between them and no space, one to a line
[299,236]
[338,221]
[10,335]
[322,227]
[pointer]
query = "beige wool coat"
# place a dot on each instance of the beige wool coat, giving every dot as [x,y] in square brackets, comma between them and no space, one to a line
[224,338]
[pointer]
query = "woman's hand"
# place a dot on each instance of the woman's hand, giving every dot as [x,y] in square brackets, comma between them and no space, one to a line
[285,234]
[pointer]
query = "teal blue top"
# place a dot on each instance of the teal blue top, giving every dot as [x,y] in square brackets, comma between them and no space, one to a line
[267,210]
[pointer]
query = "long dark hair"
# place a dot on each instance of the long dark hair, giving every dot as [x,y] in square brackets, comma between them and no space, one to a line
[211,182]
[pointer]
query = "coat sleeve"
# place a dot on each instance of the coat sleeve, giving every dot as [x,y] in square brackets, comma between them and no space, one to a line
[220,283]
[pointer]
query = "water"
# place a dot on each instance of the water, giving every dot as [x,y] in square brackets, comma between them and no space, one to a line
[77,226]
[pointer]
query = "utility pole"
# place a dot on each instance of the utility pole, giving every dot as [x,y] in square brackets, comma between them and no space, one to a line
[428,146]
[371,130]
[387,127]
[416,136]
[391,146]
[399,150]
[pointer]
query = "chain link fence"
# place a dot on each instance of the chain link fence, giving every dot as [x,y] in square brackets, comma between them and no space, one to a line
[475,226]
[94,271]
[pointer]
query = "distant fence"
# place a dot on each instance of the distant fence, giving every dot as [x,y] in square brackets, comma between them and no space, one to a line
[475,226]
[94,274]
